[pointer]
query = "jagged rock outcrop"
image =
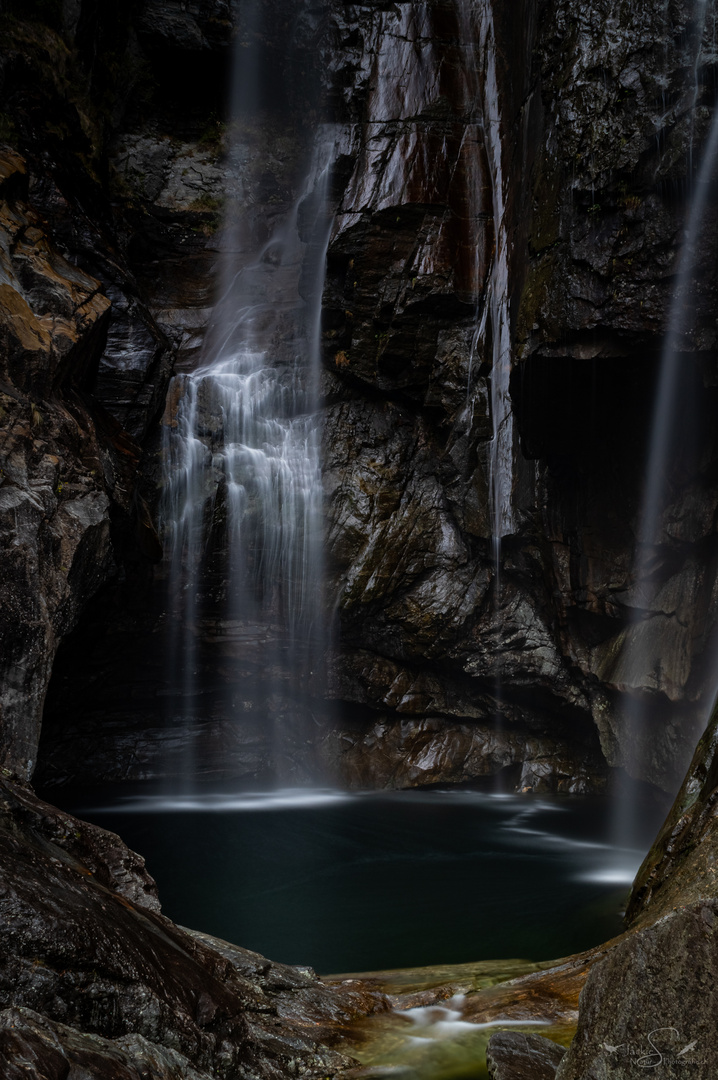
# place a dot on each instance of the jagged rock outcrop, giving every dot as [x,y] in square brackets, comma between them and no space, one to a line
[57,469]
[93,975]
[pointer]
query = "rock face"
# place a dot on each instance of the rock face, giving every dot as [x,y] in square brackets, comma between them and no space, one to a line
[69,308]
[417,752]
[500,275]
[58,470]
[94,977]
[646,1004]
[682,865]
[579,165]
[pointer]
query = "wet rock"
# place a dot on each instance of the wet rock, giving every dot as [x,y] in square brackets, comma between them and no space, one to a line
[414,753]
[483,997]
[35,1048]
[135,365]
[646,1005]
[93,975]
[182,189]
[58,471]
[596,235]
[682,866]
[522,1056]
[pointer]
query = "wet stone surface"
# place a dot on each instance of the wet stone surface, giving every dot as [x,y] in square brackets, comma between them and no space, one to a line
[522,1056]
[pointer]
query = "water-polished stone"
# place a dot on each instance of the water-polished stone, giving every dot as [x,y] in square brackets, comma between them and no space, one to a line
[517,1055]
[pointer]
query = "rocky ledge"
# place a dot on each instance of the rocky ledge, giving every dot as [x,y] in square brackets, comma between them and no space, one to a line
[94,977]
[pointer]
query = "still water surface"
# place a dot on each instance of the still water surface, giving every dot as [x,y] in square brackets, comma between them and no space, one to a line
[358,882]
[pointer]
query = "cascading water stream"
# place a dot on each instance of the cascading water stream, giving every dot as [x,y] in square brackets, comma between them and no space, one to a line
[671,427]
[491,338]
[242,509]
[497,321]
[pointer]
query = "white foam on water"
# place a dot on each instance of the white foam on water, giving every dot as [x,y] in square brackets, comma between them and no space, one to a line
[556,841]
[621,870]
[441,1029]
[446,1021]
[282,799]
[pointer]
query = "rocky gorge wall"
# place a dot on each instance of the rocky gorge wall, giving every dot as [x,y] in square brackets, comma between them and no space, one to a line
[595,116]
[110,226]
[562,140]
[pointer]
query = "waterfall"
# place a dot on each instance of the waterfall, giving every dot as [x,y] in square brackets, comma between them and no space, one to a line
[671,428]
[501,455]
[242,505]
[496,330]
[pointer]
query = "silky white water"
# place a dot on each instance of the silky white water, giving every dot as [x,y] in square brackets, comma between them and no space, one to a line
[242,505]
[495,328]
[638,665]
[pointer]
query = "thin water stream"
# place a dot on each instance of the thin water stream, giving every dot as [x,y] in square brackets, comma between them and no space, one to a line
[639,664]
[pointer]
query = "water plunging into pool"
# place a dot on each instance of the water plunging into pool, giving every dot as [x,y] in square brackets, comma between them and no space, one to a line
[242,506]
[364,881]
[670,433]
[495,330]
[336,880]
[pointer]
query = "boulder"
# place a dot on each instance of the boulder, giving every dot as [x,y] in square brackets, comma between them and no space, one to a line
[648,1005]
[93,976]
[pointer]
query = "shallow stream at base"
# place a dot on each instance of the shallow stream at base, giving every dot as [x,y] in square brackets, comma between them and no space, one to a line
[358,882]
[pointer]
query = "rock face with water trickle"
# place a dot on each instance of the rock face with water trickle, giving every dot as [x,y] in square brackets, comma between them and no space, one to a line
[560,144]
[597,141]
[682,866]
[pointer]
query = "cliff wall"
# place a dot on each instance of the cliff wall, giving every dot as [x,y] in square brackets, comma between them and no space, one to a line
[511,198]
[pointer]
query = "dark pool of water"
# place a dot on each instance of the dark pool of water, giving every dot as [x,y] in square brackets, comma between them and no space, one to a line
[360,882]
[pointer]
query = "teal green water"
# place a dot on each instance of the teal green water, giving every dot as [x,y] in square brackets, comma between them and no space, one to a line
[364,882]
